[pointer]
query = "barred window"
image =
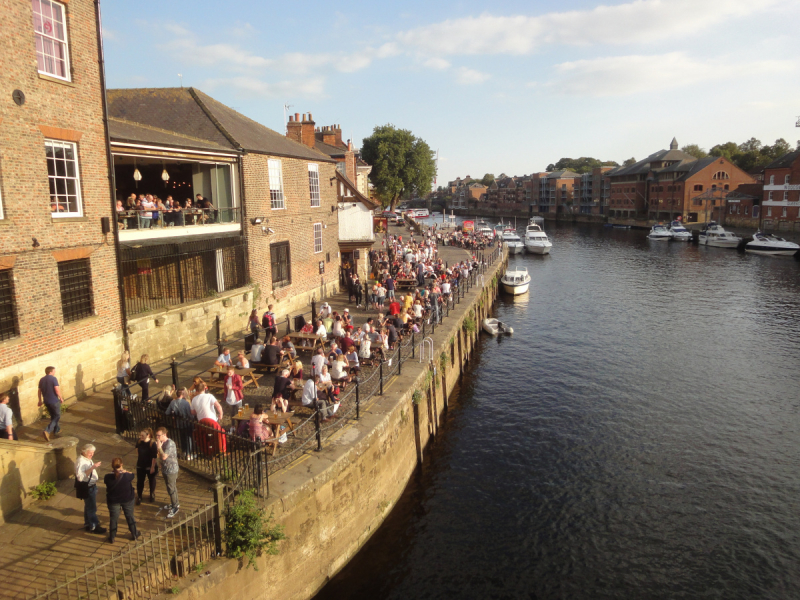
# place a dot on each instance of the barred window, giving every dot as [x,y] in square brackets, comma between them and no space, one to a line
[62,172]
[313,183]
[317,238]
[52,51]
[8,313]
[281,266]
[75,281]
[276,184]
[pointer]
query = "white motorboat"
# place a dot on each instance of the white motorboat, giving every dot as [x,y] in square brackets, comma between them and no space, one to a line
[659,233]
[516,280]
[536,240]
[679,232]
[418,213]
[771,245]
[512,241]
[716,236]
[494,327]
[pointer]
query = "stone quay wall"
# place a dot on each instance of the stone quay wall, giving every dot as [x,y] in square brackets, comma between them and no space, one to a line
[331,502]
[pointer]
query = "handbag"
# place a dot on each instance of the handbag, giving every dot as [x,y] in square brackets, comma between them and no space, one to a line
[81,489]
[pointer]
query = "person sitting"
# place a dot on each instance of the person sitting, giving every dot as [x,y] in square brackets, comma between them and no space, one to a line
[334,352]
[224,359]
[394,307]
[338,328]
[288,347]
[296,374]
[339,371]
[365,351]
[282,391]
[347,321]
[352,360]
[317,361]
[321,330]
[256,351]
[325,311]
[273,354]
[347,341]
[257,429]
[241,360]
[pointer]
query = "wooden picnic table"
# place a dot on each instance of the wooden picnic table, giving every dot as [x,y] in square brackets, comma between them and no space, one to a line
[318,341]
[403,282]
[248,376]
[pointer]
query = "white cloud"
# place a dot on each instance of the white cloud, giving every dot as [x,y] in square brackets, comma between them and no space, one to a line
[437,63]
[467,76]
[622,75]
[637,21]
[249,86]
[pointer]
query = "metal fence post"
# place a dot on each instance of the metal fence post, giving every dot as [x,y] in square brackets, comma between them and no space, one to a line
[381,377]
[399,358]
[174,366]
[317,426]
[423,328]
[413,344]
[219,514]
[288,325]
[358,400]
[219,334]
[313,309]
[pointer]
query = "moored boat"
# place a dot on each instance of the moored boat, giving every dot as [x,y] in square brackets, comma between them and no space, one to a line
[679,232]
[495,327]
[715,235]
[536,240]
[659,232]
[516,280]
[771,245]
[512,241]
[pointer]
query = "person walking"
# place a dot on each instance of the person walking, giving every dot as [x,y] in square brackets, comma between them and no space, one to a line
[86,472]
[168,455]
[50,396]
[141,374]
[119,497]
[146,467]
[124,371]
[7,431]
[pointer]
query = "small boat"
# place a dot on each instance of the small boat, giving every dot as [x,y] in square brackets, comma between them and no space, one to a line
[512,241]
[659,233]
[715,235]
[621,226]
[679,232]
[536,239]
[770,245]
[516,280]
[417,213]
[494,327]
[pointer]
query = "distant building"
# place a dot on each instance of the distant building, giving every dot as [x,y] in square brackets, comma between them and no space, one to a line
[781,194]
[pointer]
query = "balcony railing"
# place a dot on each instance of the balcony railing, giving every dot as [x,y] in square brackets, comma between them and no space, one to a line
[159,219]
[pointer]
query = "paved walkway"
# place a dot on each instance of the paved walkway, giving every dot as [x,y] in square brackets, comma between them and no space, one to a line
[46,540]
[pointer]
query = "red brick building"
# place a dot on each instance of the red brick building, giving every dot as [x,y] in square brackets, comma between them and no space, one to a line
[59,299]
[781,195]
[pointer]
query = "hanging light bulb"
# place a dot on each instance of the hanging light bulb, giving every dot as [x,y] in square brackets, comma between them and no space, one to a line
[137,176]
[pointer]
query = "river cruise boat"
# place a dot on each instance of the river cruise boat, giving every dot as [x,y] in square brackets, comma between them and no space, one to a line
[679,232]
[418,213]
[659,233]
[516,281]
[512,241]
[715,235]
[536,241]
[771,245]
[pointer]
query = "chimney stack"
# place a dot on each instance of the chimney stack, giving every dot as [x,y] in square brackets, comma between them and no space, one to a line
[301,131]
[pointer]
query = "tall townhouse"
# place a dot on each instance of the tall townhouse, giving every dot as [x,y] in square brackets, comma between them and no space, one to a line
[781,200]
[59,289]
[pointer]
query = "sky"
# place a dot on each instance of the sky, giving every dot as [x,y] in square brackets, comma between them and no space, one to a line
[505,87]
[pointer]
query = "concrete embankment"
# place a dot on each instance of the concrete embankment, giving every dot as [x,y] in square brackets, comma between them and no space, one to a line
[331,502]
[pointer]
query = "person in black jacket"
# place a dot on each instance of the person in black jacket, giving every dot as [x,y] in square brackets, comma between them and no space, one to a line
[119,495]
[146,467]
[141,374]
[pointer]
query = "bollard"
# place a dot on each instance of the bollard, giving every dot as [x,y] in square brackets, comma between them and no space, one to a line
[174,366]
[381,377]
[423,329]
[317,426]
[313,309]
[288,325]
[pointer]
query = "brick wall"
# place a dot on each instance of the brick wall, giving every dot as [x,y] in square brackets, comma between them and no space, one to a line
[68,111]
[295,224]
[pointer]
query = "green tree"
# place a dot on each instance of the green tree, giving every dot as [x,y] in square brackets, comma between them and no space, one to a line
[695,151]
[402,164]
[727,150]
[489,178]
[629,162]
[581,165]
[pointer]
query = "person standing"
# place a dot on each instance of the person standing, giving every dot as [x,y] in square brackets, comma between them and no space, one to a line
[146,467]
[233,392]
[119,496]
[182,410]
[141,374]
[124,371]
[6,420]
[50,396]
[269,323]
[168,455]
[86,472]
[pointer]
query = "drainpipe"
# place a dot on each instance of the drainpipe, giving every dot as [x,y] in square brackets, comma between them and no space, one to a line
[111,179]
[242,215]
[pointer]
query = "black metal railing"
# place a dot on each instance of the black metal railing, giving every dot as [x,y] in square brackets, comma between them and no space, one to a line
[161,219]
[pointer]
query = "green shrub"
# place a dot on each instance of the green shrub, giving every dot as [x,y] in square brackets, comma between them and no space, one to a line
[416,397]
[44,491]
[248,531]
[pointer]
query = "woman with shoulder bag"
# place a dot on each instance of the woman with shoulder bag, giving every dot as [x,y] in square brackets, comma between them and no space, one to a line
[146,467]
[120,496]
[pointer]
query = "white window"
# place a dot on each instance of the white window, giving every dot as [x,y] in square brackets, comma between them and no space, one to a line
[770,196]
[772,179]
[52,51]
[783,212]
[62,172]
[785,196]
[769,211]
[313,183]
[276,184]
[317,238]
[786,180]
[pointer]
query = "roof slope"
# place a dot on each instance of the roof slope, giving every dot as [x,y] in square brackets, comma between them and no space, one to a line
[784,161]
[191,113]
[121,130]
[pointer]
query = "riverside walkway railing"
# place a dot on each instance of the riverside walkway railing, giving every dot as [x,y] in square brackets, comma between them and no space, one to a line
[152,565]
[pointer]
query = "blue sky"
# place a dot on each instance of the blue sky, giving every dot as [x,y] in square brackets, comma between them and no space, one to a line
[495,87]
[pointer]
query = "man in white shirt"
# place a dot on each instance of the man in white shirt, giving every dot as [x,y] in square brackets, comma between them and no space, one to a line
[321,331]
[206,406]
[224,359]
[256,351]
[318,361]
[309,393]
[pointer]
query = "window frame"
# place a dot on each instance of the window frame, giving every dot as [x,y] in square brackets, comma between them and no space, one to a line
[275,170]
[71,316]
[317,238]
[274,248]
[55,177]
[53,40]
[314,194]
[9,315]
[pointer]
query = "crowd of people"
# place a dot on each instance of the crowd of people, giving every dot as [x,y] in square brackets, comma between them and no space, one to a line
[148,210]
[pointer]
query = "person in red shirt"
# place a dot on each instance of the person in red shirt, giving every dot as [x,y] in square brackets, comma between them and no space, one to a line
[394,307]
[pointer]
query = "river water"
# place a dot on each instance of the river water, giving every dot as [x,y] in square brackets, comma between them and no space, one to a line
[637,437]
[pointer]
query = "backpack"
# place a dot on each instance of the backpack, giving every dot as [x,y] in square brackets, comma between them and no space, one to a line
[268,320]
